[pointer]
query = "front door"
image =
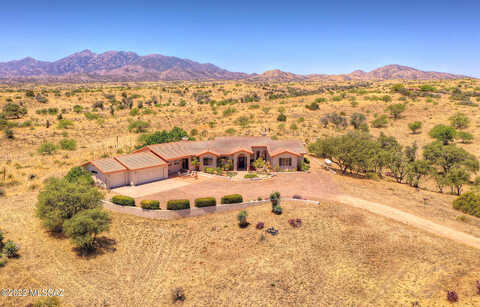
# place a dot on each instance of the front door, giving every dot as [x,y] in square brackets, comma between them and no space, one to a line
[185,163]
[242,163]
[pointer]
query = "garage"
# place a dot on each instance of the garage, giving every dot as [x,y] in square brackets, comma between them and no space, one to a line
[144,167]
[148,175]
[108,172]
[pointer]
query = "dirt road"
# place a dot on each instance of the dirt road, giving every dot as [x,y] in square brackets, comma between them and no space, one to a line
[410,219]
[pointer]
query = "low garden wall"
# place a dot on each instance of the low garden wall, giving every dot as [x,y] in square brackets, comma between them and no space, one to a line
[177,214]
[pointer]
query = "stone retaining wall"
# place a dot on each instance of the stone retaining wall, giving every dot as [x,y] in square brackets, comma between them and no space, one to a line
[177,214]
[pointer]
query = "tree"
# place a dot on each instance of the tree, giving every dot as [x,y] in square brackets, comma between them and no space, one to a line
[338,120]
[12,110]
[357,119]
[281,117]
[396,109]
[456,178]
[459,121]
[448,156]
[443,133]
[415,126]
[164,136]
[60,200]
[416,170]
[84,227]
[79,175]
[411,152]
[465,137]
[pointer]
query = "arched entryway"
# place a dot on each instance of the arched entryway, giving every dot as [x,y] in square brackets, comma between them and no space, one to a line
[242,163]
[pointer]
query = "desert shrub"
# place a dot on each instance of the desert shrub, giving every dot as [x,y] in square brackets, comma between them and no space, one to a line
[459,121]
[84,227]
[275,199]
[64,124]
[295,223]
[150,204]
[205,202]
[9,134]
[2,192]
[476,181]
[313,106]
[296,196]
[138,126]
[80,175]
[77,108]
[277,210]
[12,110]
[178,295]
[123,200]
[242,218]
[1,238]
[250,175]
[46,148]
[164,136]
[281,117]
[11,249]
[469,203]
[91,116]
[50,301]
[178,204]
[415,126]
[452,296]
[260,225]
[68,144]
[3,260]
[232,199]
[380,122]
[465,137]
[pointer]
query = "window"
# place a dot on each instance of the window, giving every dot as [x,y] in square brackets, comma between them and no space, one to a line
[285,161]
[207,161]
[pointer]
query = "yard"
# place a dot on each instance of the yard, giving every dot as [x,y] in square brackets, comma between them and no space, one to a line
[339,256]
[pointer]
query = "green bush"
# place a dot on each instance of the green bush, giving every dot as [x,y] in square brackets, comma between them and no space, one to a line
[150,204]
[123,200]
[250,175]
[277,210]
[3,260]
[209,170]
[68,144]
[11,249]
[47,148]
[469,203]
[84,227]
[178,204]
[78,174]
[64,124]
[232,199]
[205,202]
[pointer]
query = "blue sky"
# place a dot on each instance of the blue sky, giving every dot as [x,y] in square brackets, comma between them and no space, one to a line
[254,36]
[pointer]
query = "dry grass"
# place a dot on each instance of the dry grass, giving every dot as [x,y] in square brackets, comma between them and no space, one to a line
[340,256]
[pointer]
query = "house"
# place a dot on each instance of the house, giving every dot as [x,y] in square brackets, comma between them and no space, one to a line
[155,162]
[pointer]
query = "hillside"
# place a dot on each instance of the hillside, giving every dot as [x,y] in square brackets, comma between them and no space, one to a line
[122,66]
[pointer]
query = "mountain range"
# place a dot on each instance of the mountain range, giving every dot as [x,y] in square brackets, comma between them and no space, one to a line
[115,66]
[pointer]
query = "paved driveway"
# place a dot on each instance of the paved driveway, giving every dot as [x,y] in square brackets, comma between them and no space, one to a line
[317,185]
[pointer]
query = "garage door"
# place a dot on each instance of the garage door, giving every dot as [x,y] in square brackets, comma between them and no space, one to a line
[117,179]
[150,174]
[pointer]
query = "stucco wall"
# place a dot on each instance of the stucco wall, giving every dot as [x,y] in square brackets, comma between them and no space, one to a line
[174,166]
[148,175]
[276,162]
[110,180]
[212,165]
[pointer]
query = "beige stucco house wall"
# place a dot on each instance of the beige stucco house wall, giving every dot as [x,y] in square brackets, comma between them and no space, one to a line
[111,180]
[295,162]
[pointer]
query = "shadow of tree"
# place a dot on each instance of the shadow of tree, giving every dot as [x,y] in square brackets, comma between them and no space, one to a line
[101,246]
